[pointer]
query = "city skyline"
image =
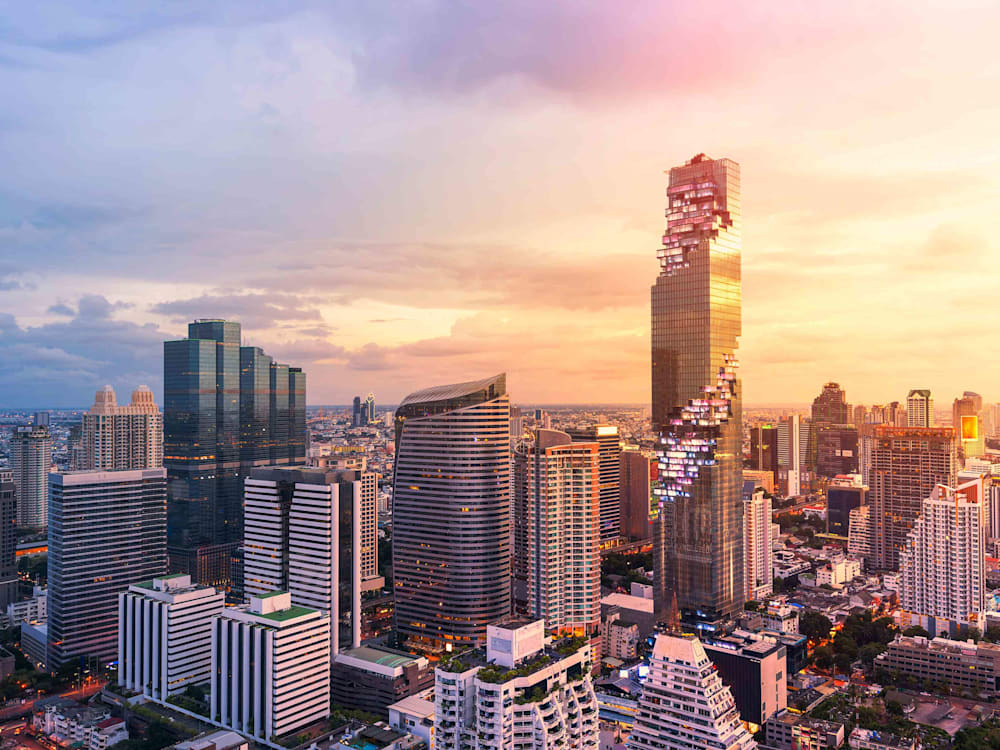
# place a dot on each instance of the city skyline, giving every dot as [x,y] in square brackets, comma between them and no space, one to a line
[333,192]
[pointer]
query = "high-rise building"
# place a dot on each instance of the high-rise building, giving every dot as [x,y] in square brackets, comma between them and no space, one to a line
[270,667]
[607,438]
[9,580]
[764,448]
[860,415]
[227,409]
[942,580]
[561,480]
[302,535]
[843,495]
[919,408]
[755,670]
[830,406]
[356,412]
[966,422]
[517,693]
[31,458]
[452,513]
[757,550]
[116,437]
[165,635]
[516,425]
[790,448]
[859,539]
[696,400]
[107,531]
[369,409]
[906,464]
[42,419]
[836,449]
[684,703]
[635,481]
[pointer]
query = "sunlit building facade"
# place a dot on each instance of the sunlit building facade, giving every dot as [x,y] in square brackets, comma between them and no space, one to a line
[607,438]
[117,437]
[696,400]
[452,513]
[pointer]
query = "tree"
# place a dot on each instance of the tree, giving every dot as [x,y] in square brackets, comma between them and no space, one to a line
[894,708]
[992,634]
[843,663]
[814,625]
[869,651]
[974,634]
[752,606]
[823,657]
[915,630]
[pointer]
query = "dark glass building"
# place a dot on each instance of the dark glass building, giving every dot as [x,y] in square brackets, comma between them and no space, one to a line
[836,449]
[8,539]
[696,309]
[831,406]
[227,408]
[451,557]
[764,448]
[841,499]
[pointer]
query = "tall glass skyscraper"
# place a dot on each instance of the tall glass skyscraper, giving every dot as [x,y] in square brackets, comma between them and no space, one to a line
[451,513]
[696,307]
[227,409]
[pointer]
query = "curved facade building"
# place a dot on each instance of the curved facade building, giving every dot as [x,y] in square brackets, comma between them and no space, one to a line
[451,513]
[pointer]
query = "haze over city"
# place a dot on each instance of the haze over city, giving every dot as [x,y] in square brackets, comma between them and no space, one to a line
[394,196]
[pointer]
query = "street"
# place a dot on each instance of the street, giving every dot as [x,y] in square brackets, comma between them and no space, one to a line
[78,694]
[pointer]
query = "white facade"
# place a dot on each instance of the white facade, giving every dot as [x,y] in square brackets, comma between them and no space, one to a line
[165,635]
[485,706]
[414,715]
[122,437]
[838,572]
[920,409]
[942,569]
[94,730]
[684,704]
[780,617]
[31,459]
[859,543]
[758,553]
[270,667]
[34,609]
[293,540]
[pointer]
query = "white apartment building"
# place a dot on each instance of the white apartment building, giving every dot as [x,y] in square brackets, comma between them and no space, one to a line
[838,572]
[758,554]
[684,704]
[522,693]
[859,542]
[302,534]
[81,726]
[270,667]
[920,408]
[34,609]
[165,635]
[942,570]
[780,617]
[114,438]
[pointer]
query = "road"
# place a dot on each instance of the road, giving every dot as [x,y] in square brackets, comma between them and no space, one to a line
[78,694]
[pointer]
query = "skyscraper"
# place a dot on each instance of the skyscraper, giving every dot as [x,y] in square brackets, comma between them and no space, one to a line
[836,449]
[842,496]
[790,450]
[830,405]
[764,448]
[8,539]
[757,547]
[606,436]
[560,480]
[906,464]
[942,581]
[369,409]
[356,412]
[696,409]
[451,513]
[635,481]
[919,408]
[227,409]
[31,457]
[108,531]
[966,422]
[116,437]
[302,529]
[684,704]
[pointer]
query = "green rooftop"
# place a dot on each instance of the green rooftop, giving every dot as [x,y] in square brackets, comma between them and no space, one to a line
[144,585]
[288,614]
[269,594]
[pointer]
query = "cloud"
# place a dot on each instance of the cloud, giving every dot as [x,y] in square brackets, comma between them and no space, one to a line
[254,310]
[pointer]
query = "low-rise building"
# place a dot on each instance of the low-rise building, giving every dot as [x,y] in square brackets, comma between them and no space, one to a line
[871,739]
[222,739]
[523,691]
[755,671]
[71,724]
[780,617]
[792,731]
[964,665]
[33,609]
[370,678]
[35,643]
[619,637]
[414,715]
[838,572]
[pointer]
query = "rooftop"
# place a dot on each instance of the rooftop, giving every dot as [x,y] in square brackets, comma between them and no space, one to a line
[287,614]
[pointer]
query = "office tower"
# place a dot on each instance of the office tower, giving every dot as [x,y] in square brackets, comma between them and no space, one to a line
[227,409]
[165,635]
[516,425]
[755,671]
[843,495]
[560,482]
[919,408]
[42,419]
[966,422]
[517,693]
[836,449]
[302,535]
[31,458]
[764,448]
[696,406]
[356,412]
[107,531]
[859,533]
[860,415]
[606,436]
[702,711]
[906,464]
[9,580]
[942,580]
[830,406]
[757,552]
[635,482]
[116,437]
[451,513]
[270,667]
[369,409]
[790,450]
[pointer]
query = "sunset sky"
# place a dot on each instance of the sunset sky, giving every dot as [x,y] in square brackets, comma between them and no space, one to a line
[397,195]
